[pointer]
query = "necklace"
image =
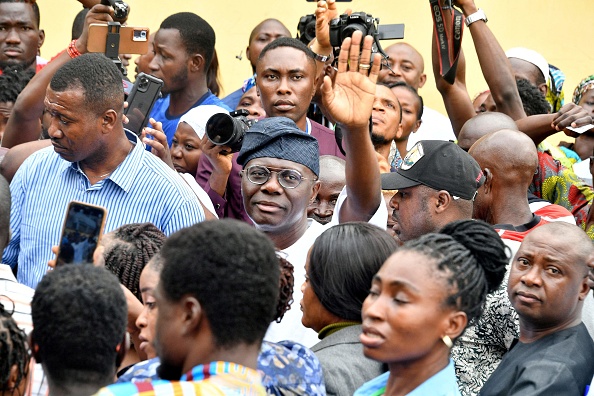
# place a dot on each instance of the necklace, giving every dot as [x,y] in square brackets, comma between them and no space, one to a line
[101,177]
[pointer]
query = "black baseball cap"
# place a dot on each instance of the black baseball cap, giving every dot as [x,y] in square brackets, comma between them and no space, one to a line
[440,165]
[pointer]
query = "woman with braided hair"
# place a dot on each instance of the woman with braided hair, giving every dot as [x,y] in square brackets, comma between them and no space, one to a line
[128,249]
[14,356]
[421,301]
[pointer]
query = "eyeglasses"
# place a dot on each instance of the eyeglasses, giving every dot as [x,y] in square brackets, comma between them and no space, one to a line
[287,178]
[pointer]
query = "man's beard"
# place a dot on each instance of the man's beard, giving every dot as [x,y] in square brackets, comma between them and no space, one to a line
[20,65]
[378,140]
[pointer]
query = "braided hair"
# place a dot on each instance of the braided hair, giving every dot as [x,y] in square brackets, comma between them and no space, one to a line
[473,258]
[134,245]
[14,350]
[13,80]
[285,298]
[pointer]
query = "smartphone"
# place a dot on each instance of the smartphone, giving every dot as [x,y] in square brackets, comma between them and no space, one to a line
[133,40]
[82,230]
[146,90]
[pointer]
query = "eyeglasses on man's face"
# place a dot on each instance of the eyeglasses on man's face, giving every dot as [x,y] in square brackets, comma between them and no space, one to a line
[287,178]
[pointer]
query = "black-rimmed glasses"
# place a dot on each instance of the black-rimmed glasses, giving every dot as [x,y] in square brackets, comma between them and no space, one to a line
[287,178]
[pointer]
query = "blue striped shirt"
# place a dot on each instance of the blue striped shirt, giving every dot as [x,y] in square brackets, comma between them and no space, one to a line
[141,189]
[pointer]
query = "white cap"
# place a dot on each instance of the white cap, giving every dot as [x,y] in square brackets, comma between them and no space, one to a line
[199,116]
[531,56]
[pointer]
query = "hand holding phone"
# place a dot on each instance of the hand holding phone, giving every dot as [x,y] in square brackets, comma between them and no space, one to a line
[82,230]
[142,98]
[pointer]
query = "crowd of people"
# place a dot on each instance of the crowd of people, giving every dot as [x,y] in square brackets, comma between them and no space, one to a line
[351,241]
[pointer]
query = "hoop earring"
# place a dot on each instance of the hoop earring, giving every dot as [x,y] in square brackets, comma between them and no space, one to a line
[448,341]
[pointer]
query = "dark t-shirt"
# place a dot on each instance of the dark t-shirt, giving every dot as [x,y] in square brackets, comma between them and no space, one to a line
[561,363]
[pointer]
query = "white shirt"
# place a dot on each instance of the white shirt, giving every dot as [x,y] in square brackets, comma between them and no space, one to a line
[435,126]
[291,328]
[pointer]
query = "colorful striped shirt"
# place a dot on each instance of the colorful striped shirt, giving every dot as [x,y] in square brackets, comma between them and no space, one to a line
[141,189]
[213,379]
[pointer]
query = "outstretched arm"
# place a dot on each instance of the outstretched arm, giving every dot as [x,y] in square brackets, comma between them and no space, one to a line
[494,65]
[24,124]
[349,100]
[455,96]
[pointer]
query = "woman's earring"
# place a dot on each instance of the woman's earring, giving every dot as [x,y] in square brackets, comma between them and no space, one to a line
[448,341]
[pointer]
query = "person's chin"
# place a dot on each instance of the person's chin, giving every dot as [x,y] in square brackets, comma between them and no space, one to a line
[321,220]
[169,372]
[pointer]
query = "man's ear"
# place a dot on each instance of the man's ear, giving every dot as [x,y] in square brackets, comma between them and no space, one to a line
[34,347]
[443,199]
[314,190]
[488,185]
[544,88]
[41,38]
[109,119]
[247,52]
[192,314]
[197,63]
[122,349]
[422,80]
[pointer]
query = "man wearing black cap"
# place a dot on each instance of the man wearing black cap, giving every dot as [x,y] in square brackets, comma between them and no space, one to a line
[281,168]
[436,184]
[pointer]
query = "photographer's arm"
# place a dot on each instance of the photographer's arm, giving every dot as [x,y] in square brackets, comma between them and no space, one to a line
[350,100]
[455,96]
[24,124]
[494,65]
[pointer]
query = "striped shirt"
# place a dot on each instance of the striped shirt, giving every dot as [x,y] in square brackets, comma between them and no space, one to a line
[213,379]
[141,189]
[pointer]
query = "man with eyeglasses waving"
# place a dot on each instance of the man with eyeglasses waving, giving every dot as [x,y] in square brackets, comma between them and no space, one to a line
[281,167]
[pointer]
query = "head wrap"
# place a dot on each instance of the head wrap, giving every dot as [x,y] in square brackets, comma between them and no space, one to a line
[585,85]
[279,137]
[197,117]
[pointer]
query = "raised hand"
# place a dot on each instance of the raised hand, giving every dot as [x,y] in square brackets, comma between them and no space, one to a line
[349,99]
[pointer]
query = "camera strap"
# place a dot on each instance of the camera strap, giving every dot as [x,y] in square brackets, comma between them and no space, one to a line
[449,43]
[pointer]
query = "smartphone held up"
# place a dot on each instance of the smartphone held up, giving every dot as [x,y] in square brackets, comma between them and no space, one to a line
[82,230]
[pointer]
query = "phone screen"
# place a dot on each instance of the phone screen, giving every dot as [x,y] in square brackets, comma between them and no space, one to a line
[82,229]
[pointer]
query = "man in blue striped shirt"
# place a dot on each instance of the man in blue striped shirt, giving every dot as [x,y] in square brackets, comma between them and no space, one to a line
[93,160]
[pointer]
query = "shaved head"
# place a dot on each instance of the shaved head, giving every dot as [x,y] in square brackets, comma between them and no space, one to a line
[406,64]
[578,243]
[482,124]
[510,154]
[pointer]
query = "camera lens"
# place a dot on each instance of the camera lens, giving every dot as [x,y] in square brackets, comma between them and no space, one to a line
[143,84]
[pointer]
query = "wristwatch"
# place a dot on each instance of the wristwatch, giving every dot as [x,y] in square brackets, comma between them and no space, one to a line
[321,58]
[472,18]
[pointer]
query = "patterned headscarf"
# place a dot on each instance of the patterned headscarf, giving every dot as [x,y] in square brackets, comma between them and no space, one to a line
[585,85]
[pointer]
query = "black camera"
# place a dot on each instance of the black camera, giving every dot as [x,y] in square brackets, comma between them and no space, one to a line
[120,9]
[345,25]
[228,129]
[306,29]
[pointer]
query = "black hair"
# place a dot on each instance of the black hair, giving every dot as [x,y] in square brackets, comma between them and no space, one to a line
[196,34]
[79,318]
[533,100]
[213,76]
[134,245]
[99,78]
[342,264]
[473,258]
[34,6]
[5,201]
[13,80]
[232,270]
[79,23]
[413,91]
[287,280]
[289,42]
[14,350]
